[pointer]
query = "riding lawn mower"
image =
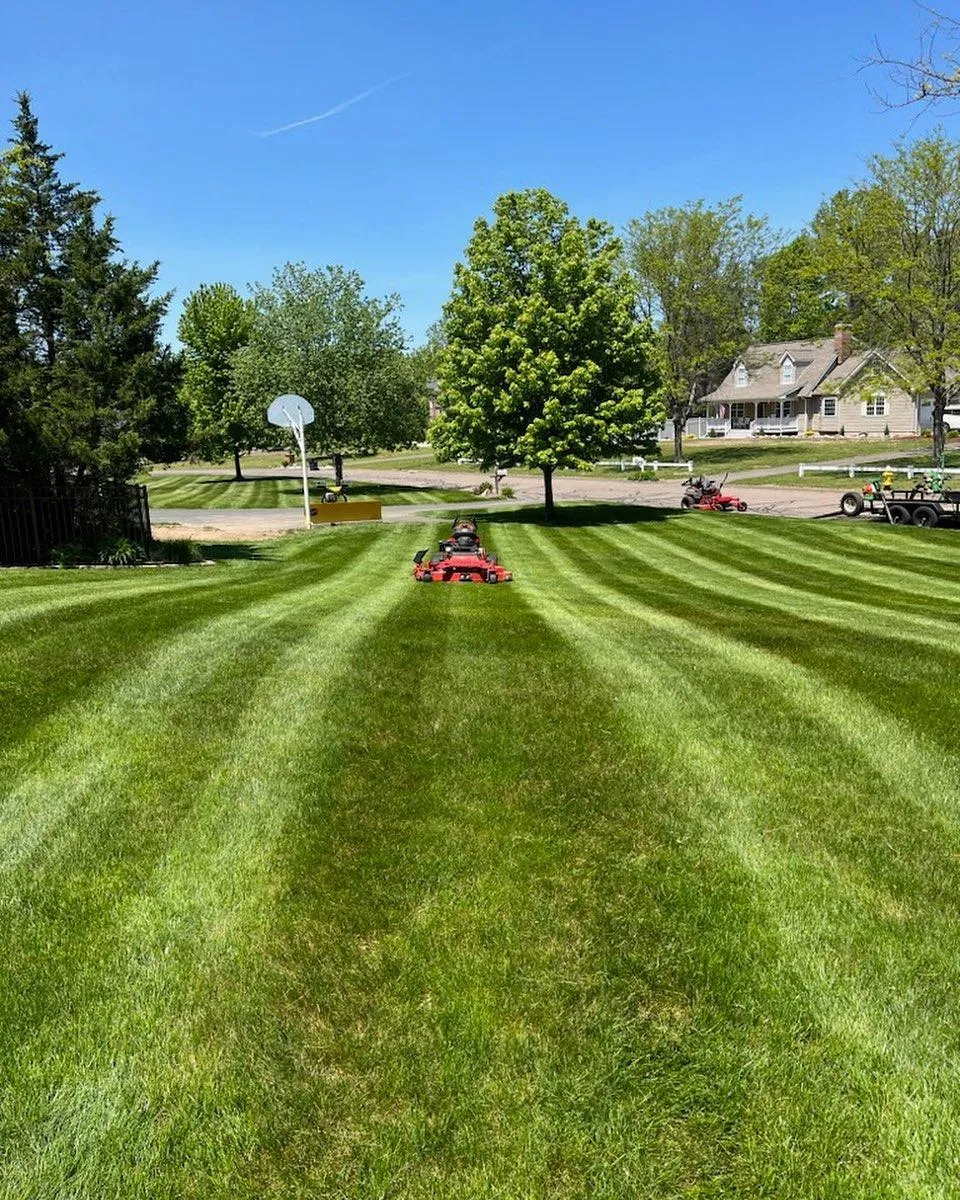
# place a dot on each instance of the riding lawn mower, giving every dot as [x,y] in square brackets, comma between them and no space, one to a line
[460,559]
[708,496]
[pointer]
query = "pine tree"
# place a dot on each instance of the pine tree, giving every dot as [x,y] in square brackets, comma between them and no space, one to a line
[79,330]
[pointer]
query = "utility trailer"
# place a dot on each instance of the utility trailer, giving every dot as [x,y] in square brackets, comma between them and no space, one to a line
[913,507]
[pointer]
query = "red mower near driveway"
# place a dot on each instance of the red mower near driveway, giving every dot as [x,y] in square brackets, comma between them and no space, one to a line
[709,496]
[460,559]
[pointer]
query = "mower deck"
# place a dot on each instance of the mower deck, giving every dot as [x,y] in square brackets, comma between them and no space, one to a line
[460,559]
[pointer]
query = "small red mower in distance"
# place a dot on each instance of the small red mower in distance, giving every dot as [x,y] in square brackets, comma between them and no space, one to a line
[460,559]
[708,496]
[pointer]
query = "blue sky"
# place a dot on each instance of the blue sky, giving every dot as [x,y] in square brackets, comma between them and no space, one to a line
[618,108]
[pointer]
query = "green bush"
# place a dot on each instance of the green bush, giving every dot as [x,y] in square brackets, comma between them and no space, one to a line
[121,552]
[68,555]
[177,550]
[482,488]
[507,492]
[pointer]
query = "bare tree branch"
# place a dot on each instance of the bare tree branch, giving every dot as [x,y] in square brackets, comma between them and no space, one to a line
[930,77]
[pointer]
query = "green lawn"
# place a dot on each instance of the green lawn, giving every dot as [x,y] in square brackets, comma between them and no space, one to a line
[280,491]
[639,877]
[841,478]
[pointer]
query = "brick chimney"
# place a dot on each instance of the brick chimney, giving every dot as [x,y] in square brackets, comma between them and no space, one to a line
[842,343]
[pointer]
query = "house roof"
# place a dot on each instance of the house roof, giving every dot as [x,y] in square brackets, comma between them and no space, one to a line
[817,371]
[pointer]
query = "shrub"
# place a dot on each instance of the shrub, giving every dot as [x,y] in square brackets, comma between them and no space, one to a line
[68,555]
[121,552]
[177,550]
[843,432]
[507,492]
[886,431]
[482,488]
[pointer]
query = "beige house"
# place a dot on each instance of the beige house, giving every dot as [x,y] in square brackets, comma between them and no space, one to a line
[821,385]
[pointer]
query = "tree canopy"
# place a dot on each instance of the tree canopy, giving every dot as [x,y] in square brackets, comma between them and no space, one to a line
[697,276]
[893,243]
[80,357]
[317,334]
[796,300]
[545,363]
[215,323]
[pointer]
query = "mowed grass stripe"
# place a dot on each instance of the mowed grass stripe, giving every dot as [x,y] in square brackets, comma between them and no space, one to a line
[787,593]
[105,787]
[474,1000]
[149,1001]
[282,491]
[827,859]
[873,653]
[893,581]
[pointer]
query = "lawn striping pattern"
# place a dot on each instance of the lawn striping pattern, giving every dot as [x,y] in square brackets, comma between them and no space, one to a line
[637,877]
[279,491]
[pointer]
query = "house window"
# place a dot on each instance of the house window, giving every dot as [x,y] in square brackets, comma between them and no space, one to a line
[738,416]
[742,377]
[877,405]
[787,371]
[829,406]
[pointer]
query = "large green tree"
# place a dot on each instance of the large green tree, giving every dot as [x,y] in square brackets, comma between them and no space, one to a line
[545,364]
[696,272]
[796,300]
[80,354]
[215,324]
[317,334]
[894,243]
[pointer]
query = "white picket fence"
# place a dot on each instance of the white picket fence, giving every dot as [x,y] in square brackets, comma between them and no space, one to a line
[623,464]
[873,469]
[644,464]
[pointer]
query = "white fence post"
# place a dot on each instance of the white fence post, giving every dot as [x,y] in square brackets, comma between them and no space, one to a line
[800,470]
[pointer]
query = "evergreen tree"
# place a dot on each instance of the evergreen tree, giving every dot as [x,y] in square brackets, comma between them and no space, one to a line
[80,358]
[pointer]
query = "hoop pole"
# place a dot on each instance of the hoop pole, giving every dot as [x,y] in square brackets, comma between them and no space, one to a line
[303,467]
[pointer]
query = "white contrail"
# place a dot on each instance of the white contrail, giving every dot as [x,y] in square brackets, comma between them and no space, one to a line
[332,112]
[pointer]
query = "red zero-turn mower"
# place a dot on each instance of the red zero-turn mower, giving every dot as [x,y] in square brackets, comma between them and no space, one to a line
[708,496]
[460,559]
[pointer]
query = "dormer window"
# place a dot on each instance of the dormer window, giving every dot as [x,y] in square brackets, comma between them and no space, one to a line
[742,378]
[787,371]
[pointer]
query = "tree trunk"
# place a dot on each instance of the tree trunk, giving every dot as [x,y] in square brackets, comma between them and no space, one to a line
[939,404]
[338,470]
[548,492]
[678,439]
[238,474]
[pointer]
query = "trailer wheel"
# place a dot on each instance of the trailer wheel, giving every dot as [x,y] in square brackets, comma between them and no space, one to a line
[742,506]
[426,577]
[925,516]
[851,504]
[687,502]
[493,577]
[899,515]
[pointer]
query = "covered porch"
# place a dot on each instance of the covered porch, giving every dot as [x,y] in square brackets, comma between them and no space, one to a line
[753,418]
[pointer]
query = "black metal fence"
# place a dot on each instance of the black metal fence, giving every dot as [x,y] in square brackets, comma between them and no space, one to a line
[34,521]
